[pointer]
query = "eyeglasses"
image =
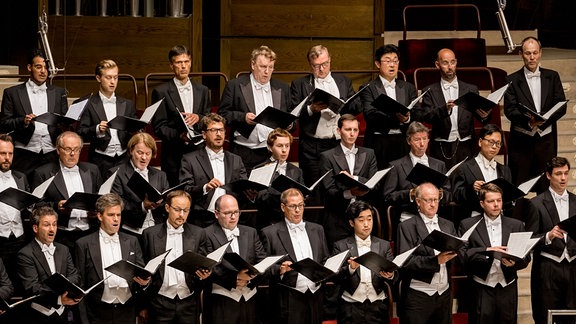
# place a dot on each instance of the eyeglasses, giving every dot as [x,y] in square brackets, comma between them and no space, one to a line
[69,150]
[295,207]
[493,143]
[180,210]
[429,200]
[230,213]
[216,130]
[321,65]
[388,62]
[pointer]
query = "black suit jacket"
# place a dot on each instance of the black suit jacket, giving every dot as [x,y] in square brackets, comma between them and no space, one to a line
[433,111]
[196,168]
[6,287]
[302,87]
[238,99]
[349,281]
[276,241]
[479,264]
[542,217]
[268,200]
[249,246]
[381,120]
[154,244]
[519,93]
[92,116]
[423,264]
[16,105]
[133,215]
[33,270]
[396,189]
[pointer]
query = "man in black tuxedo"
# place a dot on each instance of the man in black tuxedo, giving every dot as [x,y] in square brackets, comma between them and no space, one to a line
[472,174]
[181,97]
[426,294]
[70,176]
[356,162]
[175,295]
[110,302]
[233,295]
[495,286]
[539,89]
[452,125]
[364,292]
[107,145]
[553,277]
[6,290]
[296,298]
[34,141]
[386,129]
[40,259]
[14,234]
[140,214]
[396,189]
[209,168]
[318,123]
[268,200]
[247,96]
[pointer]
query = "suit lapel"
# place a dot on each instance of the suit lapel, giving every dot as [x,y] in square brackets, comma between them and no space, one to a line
[475,170]
[248,95]
[24,99]
[98,107]
[204,163]
[548,203]
[483,232]
[228,167]
[525,90]
[359,161]
[285,239]
[313,238]
[340,159]
[51,95]
[406,166]
[60,185]
[37,251]
[175,96]
[400,93]
[120,107]
[276,96]
[86,179]
[220,237]
[96,255]
[545,84]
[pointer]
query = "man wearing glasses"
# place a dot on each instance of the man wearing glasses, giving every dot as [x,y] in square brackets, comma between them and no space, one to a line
[70,176]
[299,300]
[452,125]
[386,129]
[472,174]
[317,122]
[209,168]
[426,295]
[232,299]
[175,295]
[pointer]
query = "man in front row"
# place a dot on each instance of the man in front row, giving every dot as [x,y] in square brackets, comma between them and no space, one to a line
[175,295]
[553,277]
[299,300]
[233,294]
[40,259]
[364,291]
[495,288]
[111,301]
[425,296]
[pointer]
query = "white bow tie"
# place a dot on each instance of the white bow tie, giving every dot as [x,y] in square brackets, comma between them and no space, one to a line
[301,226]
[109,239]
[185,88]
[143,173]
[265,87]
[564,197]
[230,234]
[217,156]
[449,85]
[48,248]
[491,164]
[39,88]
[73,169]
[494,222]
[352,151]
[322,81]
[391,85]
[364,243]
[433,221]
[6,176]
[531,75]
[111,100]
[175,231]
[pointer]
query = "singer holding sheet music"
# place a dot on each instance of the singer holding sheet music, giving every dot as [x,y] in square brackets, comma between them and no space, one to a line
[40,259]
[107,145]
[538,89]
[385,128]
[175,295]
[495,287]
[112,301]
[34,142]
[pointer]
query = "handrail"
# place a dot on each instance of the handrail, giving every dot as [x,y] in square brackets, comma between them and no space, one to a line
[170,74]
[478,31]
[461,70]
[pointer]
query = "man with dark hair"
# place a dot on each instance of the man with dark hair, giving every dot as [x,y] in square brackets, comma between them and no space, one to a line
[247,96]
[386,129]
[40,259]
[175,295]
[553,277]
[183,97]
[495,287]
[34,142]
[209,168]
[297,298]
[110,302]
[317,122]
[107,145]
[538,89]
[356,162]
[364,292]
[472,174]
[233,295]
[452,125]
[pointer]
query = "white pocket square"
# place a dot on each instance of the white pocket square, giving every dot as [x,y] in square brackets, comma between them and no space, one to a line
[131,253]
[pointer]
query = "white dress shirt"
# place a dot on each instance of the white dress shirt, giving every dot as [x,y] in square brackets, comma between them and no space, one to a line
[174,283]
[495,275]
[114,148]
[450,91]
[390,88]
[186,94]
[116,289]
[262,99]
[40,140]
[48,251]
[302,248]
[10,220]
[73,181]
[328,122]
